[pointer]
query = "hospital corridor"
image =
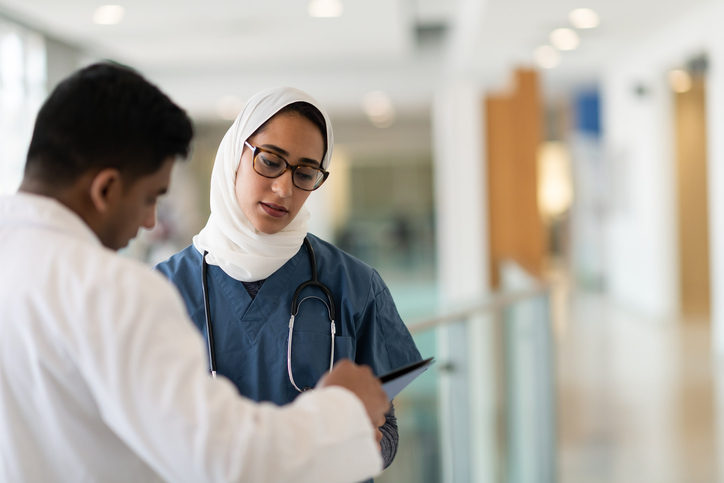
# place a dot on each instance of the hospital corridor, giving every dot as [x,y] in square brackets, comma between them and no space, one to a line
[637,397]
[531,194]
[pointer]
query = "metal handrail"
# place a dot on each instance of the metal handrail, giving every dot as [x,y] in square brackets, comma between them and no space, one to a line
[498,302]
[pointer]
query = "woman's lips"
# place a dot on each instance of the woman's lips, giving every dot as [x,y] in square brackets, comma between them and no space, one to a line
[274,210]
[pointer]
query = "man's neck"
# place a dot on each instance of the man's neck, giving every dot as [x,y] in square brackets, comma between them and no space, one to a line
[70,196]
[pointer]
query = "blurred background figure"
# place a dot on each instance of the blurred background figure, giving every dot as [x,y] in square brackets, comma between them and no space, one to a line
[540,184]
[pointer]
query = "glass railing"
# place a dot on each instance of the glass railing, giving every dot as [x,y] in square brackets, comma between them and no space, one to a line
[485,412]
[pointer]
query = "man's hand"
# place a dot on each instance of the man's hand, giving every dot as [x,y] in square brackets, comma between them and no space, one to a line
[363,383]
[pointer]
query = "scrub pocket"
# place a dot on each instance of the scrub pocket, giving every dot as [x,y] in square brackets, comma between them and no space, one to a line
[310,357]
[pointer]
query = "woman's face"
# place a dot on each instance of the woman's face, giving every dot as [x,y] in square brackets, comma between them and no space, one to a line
[271,204]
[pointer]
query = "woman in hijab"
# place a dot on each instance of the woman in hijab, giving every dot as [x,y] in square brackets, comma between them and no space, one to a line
[243,269]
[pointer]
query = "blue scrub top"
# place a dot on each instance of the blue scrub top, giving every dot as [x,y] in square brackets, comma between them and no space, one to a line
[250,336]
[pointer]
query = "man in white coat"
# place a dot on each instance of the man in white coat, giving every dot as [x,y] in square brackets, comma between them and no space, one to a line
[102,375]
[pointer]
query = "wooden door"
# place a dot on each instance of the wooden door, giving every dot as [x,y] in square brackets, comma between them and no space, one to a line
[690,114]
[514,131]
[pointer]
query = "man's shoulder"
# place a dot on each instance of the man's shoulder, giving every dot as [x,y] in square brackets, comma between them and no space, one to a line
[107,268]
[77,281]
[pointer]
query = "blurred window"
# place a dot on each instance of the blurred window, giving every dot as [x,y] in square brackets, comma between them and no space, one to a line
[22,91]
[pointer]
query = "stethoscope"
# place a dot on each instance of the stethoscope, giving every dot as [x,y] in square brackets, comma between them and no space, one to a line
[313,282]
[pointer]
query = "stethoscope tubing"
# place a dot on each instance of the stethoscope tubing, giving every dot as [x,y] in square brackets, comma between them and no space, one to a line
[207,312]
[313,282]
[333,331]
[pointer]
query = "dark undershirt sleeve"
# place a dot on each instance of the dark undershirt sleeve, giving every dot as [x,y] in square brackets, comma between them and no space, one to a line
[390,437]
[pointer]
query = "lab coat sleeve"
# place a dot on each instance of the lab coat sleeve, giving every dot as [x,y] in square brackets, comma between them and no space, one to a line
[146,367]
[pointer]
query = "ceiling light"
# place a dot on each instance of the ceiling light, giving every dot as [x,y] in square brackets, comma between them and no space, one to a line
[584,18]
[325,8]
[108,14]
[565,39]
[228,107]
[547,57]
[680,81]
[378,107]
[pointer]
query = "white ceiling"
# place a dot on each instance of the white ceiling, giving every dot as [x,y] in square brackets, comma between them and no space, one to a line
[170,35]
[512,29]
[200,51]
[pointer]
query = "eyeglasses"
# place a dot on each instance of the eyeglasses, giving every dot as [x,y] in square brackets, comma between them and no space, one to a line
[272,165]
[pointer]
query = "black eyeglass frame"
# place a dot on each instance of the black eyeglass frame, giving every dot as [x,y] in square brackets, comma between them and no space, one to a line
[255,150]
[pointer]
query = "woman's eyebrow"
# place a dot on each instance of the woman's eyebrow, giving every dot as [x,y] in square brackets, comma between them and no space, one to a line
[276,149]
[311,161]
[285,153]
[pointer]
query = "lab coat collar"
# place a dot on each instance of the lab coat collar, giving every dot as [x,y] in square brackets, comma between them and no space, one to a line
[27,209]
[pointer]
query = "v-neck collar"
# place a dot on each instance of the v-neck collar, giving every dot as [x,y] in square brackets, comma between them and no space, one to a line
[252,314]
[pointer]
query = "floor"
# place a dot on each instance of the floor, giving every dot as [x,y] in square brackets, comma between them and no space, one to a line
[637,397]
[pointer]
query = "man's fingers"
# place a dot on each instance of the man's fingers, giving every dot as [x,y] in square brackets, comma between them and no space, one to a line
[343,363]
[382,408]
[379,422]
[363,382]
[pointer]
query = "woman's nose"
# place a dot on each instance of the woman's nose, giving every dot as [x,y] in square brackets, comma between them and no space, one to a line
[283,185]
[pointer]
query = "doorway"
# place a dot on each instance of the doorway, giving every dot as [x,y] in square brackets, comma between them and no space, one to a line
[692,204]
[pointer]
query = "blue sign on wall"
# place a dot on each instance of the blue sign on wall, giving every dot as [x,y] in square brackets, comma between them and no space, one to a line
[588,112]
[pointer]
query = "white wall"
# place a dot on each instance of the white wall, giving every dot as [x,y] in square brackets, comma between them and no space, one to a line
[468,412]
[715,120]
[641,246]
[22,90]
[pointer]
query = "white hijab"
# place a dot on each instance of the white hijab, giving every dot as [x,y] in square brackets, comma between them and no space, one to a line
[233,243]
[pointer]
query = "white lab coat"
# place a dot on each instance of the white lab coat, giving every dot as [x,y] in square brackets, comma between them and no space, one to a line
[104,379]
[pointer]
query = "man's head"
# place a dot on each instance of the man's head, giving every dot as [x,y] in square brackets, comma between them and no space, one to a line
[104,144]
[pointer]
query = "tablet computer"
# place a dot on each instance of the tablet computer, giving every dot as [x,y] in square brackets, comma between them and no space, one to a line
[395,381]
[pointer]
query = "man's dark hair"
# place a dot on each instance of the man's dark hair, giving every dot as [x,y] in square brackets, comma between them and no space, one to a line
[106,116]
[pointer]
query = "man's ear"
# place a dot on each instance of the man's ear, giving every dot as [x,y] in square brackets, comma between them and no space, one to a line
[106,188]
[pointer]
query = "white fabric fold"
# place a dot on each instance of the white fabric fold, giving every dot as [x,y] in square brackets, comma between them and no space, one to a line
[232,242]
